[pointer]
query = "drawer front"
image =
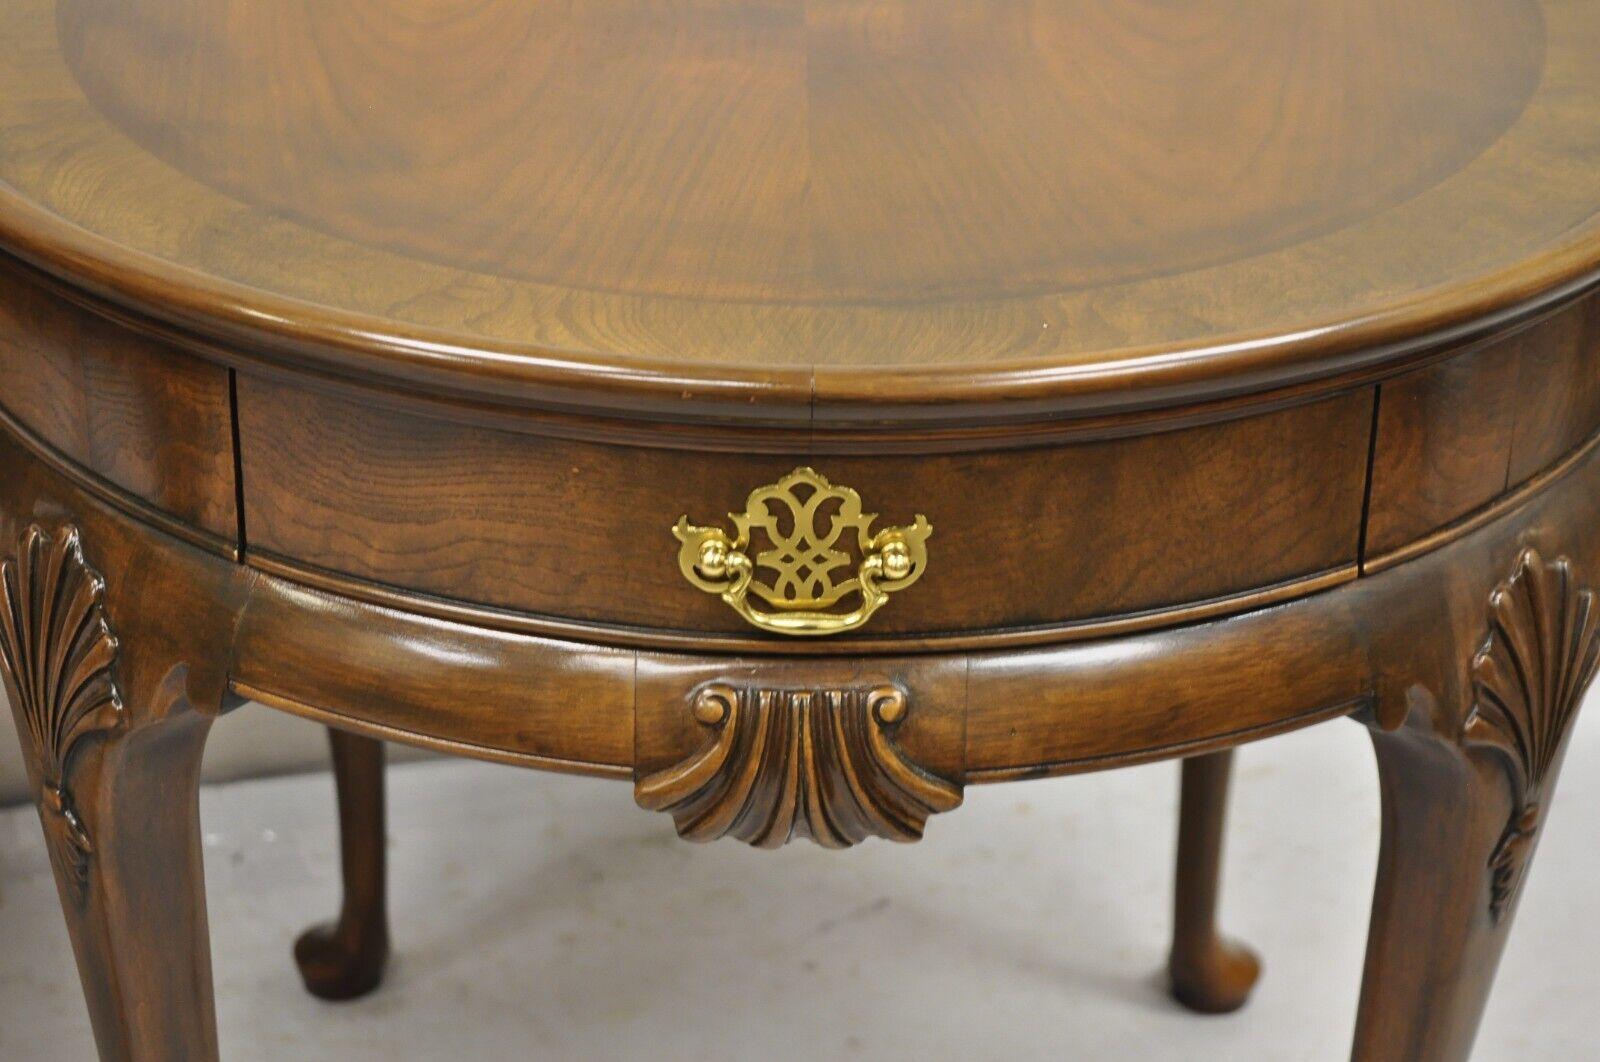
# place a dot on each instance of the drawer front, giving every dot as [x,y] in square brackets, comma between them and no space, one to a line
[1456,435]
[136,412]
[583,531]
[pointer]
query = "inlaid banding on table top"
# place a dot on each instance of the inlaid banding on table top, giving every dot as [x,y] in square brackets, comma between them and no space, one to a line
[782,245]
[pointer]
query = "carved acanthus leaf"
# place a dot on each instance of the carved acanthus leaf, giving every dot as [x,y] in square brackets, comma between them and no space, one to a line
[821,764]
[57,654]
[1529,678]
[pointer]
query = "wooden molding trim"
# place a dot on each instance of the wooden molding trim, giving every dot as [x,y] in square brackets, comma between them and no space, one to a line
[447,746]
[1188,681]
[108,493]
[1183,749]
[205,313]
[778,764]
[639,638]
[58,655]
[700,427]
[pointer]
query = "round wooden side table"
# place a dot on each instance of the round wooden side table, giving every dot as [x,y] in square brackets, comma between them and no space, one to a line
[800,411]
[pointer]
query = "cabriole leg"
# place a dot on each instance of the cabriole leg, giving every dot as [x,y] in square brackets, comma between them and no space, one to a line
[1467,763]
[113,747]
[345,959]
[1210,974]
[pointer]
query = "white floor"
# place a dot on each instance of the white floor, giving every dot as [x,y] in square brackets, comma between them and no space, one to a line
[542,916]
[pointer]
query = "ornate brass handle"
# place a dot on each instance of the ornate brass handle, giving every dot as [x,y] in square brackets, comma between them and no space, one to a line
[806,519]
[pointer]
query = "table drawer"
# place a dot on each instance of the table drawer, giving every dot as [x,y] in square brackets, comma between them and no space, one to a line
[134,411]
[1458,434]
[583,531]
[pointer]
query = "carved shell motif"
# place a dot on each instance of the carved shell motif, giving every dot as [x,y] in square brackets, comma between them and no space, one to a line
[1528,680]
[815,763]
[57,653]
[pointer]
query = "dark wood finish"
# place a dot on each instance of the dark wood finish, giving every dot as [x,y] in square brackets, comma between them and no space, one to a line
[814,101]
[1242,360]
[1443,444]
[567,706]
[1455,436]
[1364,636]
[58,654]
[913,213]
[135,411]
[931,733]
[1558,393]
[345,959]
[1467,760]
[780,763]
[481,692]
[579,531]
[114,650]
[1163,693]
[1210,974]
[135,906]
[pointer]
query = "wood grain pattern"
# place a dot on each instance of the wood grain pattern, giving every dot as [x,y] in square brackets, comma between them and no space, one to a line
[137,920]
[804,210]
[138,413]
[1460,433]
[540,701]
[1443,444]
[1558,393]
[1020,725]
[1489,698]
[1128,297]
[1394,646]
[582,531]
[764,181]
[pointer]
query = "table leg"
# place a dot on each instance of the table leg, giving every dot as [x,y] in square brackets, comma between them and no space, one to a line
[1209,973]
[1468,753]
[345,959]
[115,766]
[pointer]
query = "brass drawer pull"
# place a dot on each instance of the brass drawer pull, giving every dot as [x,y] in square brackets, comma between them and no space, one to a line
[804,557]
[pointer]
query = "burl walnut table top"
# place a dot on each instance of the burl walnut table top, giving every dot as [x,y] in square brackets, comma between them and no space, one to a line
[801,410]
[1097,203]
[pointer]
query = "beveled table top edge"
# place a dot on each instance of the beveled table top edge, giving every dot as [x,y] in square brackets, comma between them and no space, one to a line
[230,321]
